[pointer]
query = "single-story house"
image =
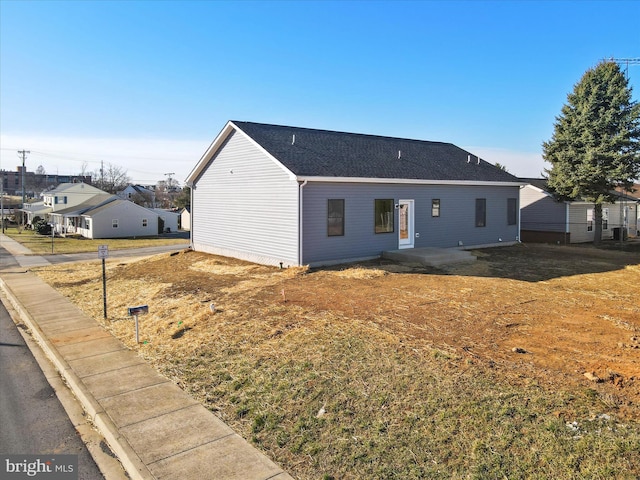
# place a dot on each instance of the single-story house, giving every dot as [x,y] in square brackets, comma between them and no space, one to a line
[290,196]
[185,219]
[105,216]
[118,219]
[544,218]
[140,195]
[68,221]
[169,219]
[632,196]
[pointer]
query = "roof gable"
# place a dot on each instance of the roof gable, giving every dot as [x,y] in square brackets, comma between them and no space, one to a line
[542,185]
[90,203]
[79,187]
[323,153]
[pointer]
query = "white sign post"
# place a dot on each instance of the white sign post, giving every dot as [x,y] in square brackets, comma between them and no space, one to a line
[103,252]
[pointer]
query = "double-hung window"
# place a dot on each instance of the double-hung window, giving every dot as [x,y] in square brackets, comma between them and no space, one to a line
[383,216]
[435,207]
[481,212]
[335,217]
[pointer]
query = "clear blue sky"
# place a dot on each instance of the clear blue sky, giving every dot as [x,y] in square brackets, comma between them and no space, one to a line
[147,85]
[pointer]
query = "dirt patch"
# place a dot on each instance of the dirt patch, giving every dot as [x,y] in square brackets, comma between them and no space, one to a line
[571,310]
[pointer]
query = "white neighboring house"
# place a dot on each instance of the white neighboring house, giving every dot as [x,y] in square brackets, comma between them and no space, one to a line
[549,220]
[35,209]
[62,197]
[140,195]
[170,220]
[185,219]
[68,221]
[118,219]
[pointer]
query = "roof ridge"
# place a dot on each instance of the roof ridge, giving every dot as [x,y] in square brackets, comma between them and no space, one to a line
[239,123]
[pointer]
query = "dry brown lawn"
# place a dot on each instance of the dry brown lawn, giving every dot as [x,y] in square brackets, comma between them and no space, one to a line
[380,370]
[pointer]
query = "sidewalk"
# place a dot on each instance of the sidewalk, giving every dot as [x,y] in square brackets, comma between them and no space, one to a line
[156,429]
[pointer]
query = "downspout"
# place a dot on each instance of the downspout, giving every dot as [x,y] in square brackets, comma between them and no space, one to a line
[191,189]
[567,227]
[300,219]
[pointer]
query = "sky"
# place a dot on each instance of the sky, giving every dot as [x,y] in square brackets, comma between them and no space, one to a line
[147,85]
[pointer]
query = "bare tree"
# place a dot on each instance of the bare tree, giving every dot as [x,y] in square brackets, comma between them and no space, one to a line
[40,178]
[111,178]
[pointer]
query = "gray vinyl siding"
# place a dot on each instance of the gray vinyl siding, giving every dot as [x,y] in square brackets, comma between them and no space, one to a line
[455,224]
[246,205]
[540,212]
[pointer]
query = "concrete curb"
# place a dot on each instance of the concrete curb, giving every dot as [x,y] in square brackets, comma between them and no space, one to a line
[130,460]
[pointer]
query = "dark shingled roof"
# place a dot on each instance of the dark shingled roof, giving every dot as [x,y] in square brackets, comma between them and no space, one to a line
[541,183]
[324,153]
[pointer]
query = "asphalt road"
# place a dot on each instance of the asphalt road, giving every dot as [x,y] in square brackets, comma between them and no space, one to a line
[32,419]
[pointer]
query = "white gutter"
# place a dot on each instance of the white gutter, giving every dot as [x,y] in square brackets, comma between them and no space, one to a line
[408,181]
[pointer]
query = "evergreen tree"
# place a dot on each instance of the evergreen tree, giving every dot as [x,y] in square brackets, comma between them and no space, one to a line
[596,141]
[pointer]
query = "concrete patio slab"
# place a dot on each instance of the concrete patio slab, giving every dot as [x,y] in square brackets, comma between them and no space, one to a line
[431,257]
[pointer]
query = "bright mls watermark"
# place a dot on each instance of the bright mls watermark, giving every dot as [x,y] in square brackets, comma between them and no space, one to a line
[49,467]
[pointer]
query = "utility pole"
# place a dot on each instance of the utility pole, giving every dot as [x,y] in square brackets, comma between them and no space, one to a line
[2,201]
[626,62]
[23,154]
[169,180]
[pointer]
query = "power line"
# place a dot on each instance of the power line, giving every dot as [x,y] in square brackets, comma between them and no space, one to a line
[626,62]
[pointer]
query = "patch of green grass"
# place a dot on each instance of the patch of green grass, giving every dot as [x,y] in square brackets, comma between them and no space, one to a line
[42,245]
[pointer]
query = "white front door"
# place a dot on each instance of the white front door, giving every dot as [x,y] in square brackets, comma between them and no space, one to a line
[406,234]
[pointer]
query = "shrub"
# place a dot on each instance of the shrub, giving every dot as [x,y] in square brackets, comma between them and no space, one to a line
[42,227]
